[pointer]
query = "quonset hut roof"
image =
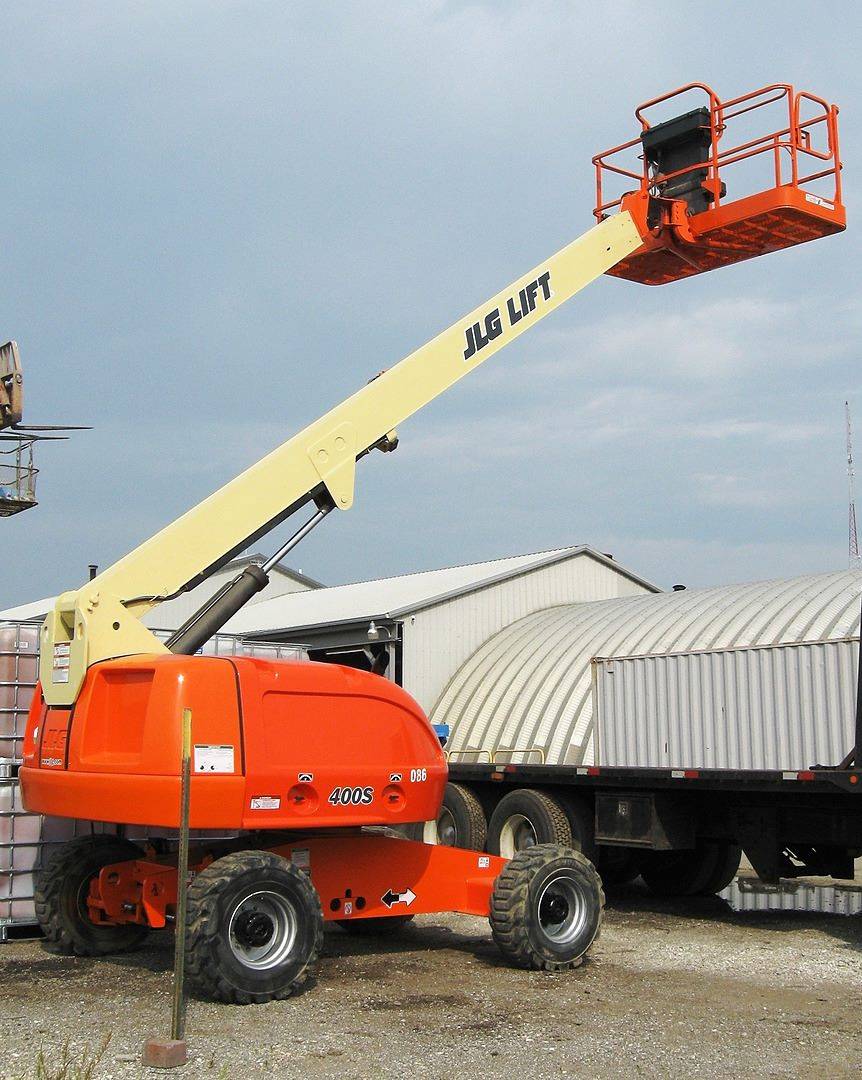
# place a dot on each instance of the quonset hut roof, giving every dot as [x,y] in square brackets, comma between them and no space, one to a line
[530,685]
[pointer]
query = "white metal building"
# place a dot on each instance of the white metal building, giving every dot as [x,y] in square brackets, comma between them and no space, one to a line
[531,683]
[173,613]
[420,628]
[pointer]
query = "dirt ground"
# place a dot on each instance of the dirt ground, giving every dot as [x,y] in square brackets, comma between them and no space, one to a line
[671,989]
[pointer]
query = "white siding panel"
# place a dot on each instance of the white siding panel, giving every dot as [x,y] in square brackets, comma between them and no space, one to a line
[779,707]
[438,639]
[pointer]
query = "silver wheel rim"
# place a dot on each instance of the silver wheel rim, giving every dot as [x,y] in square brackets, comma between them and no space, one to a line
[262,929]
[447,834]
[517,834]
[563,909]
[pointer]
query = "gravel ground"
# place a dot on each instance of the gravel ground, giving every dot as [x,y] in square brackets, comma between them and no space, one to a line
[681,989]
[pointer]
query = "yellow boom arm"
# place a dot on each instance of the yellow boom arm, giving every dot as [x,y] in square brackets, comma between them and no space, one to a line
[102,619]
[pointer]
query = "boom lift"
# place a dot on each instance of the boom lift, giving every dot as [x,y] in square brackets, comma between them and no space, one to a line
[304,758]
[17,471]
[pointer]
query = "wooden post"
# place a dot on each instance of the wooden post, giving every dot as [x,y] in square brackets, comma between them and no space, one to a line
[178,1013]
[169,1053]
[858,748]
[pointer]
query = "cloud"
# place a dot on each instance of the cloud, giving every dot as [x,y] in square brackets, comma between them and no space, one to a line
[224,218]
[728,489]
[689,344]
[700,562]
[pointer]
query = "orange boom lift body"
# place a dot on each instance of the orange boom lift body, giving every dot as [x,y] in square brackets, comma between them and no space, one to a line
[303,758]
[278,745]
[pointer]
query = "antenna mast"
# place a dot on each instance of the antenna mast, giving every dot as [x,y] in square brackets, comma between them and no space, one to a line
[855,558]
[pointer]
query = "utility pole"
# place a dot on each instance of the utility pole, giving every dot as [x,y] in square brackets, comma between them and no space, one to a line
[855,558]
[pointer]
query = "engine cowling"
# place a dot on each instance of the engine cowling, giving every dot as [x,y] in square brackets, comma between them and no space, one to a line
[276,745]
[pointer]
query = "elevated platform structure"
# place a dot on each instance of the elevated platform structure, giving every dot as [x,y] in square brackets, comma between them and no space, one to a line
[17,474]
[708,187]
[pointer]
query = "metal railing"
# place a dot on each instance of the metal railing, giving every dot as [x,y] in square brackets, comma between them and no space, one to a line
[17,477]
[791,142]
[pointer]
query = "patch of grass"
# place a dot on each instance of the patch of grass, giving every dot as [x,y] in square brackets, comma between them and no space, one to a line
[67,1066]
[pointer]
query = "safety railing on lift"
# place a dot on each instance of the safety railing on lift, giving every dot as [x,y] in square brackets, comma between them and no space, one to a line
[17,477]
[793,142]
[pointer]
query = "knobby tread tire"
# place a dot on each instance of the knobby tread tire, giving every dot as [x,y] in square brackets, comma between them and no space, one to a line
[60,882]
[524,801]
[511,916]
[206,934]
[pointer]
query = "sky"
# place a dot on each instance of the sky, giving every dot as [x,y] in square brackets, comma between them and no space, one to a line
[219,219]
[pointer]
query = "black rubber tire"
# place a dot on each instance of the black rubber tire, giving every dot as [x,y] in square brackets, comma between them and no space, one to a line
[213,968]
[582,821]
[726,869]
[519,900]
[60,898]
[540,819]
[618,865]
[461,822]
[680,873]
[385,924]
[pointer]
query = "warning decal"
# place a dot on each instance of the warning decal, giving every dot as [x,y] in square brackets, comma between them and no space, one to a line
[301,858]
[60,665]
[213,759]
[265,802]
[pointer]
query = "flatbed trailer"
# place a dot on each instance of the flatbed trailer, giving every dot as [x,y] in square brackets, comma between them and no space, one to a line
[670,824]
[683,829]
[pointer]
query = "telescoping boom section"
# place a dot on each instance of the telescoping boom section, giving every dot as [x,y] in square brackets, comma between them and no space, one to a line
[102,619]
[319,754]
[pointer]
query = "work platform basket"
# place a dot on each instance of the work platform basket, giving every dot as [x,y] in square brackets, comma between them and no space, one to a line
[709,187]
[17,476]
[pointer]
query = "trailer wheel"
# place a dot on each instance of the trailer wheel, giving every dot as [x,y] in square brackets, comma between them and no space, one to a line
[524,818]
[61,898]
[255,928]
[546,908]
[582,821]
[460,822]
[727,863]
[618,865]
[385,924]
[680,873]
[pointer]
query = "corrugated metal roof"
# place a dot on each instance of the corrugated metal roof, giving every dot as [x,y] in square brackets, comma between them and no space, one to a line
[38,609]
[381,598]
[393,597]
[530,684]
[260,557]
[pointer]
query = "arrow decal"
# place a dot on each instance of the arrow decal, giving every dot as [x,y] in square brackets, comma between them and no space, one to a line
[390,897]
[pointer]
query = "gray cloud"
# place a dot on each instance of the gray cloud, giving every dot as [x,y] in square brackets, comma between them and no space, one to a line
[219,219]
